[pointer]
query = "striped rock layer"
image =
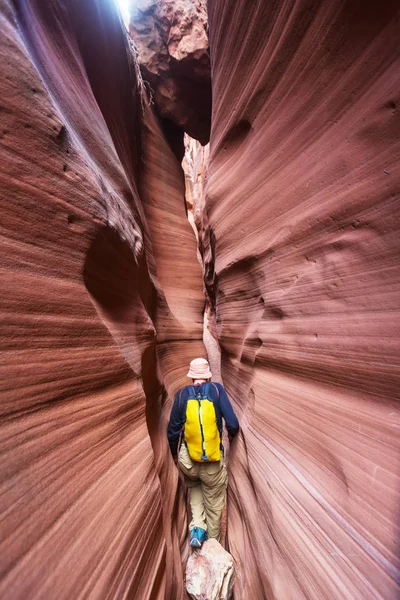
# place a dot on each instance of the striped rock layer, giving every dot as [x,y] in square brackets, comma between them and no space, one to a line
[103,297]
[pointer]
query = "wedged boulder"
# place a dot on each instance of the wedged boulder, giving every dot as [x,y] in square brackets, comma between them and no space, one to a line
[210,573]
[171,37]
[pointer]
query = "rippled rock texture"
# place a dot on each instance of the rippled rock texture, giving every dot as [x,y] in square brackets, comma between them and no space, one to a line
[101,311]
[172,44]
[102,301]
[303,208]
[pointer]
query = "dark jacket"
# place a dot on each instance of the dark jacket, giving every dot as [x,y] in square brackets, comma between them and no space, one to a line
[223,409]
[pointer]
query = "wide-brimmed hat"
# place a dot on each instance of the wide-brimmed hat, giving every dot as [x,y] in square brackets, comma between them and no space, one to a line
[199,369]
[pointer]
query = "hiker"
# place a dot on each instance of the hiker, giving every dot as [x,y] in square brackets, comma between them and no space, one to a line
[196,422]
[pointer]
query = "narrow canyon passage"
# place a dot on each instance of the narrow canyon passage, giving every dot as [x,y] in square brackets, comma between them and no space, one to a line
[296,206]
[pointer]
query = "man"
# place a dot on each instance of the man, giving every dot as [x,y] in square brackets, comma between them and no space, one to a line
[196,421]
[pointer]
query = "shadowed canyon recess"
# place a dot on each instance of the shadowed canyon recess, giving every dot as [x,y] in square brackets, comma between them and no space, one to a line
[281,235]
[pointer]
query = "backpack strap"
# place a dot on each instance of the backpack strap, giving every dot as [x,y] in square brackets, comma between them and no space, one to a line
[207,387]
[209,384]
[213,384]
[192,391]
[183,413]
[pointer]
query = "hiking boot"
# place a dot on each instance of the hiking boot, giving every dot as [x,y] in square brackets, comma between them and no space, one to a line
[197,537]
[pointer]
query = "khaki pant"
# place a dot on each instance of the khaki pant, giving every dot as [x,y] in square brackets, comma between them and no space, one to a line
[207,483]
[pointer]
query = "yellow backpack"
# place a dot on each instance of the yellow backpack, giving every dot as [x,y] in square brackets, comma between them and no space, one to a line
[201,432]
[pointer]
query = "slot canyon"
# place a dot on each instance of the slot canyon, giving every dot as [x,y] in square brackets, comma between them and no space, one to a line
[216,179]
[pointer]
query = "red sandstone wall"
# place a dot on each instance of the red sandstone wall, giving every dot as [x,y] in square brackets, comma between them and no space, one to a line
[97,326]
[303,208]
[98,322]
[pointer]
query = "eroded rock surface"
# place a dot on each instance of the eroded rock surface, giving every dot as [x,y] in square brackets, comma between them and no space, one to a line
[102,301]
[195,167]
[303,206]
[210,573]
[172,43]
[97,329]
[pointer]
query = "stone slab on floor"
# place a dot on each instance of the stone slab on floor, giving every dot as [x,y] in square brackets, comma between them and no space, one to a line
[210,573]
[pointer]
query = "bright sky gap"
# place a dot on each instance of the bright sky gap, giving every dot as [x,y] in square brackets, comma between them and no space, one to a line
[124,7]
